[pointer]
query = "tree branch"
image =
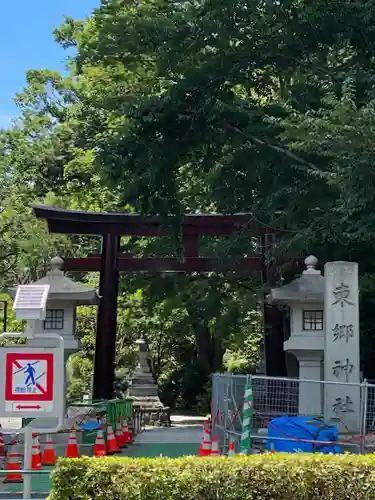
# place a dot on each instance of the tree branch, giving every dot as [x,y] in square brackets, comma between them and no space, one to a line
[277,148]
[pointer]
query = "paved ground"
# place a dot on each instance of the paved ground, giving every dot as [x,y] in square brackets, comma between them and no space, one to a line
[170,435]
[183,438]
[187,420]
[41,485]
[184,430]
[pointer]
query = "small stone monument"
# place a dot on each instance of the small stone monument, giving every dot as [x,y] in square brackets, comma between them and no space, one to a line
[305,298]
[143,390]
[342,398]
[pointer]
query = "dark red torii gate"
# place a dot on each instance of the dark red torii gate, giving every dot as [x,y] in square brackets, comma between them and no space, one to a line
[111,226]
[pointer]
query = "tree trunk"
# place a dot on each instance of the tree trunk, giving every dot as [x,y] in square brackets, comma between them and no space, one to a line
[218,353]
[209,349]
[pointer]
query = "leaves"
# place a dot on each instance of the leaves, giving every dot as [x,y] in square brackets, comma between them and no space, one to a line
[283,476]
[220,107]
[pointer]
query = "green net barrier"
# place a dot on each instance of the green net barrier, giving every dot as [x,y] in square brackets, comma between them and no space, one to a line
[112,410]
[119,408]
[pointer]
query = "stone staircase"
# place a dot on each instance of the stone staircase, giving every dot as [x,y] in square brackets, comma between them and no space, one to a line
[143,390]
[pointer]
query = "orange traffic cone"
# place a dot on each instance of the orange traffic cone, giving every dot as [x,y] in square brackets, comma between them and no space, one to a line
[36,443]
[206,448]
[128,436]
[112,446]
[130,429]
[206,445]
[120,438]
[207,425]
[49,456]
[72,448]
[13,465]
[215,447]
[232,450]
[36,459]
[99,446]
[200,447]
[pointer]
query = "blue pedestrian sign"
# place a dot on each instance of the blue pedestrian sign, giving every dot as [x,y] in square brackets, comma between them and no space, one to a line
[30,377]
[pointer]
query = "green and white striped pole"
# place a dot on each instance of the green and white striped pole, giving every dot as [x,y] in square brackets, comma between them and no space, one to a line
[247,416]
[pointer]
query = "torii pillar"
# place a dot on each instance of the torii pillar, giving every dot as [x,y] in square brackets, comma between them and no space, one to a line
[104,364]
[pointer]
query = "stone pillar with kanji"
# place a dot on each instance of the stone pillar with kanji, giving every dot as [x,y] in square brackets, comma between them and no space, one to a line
[342,392]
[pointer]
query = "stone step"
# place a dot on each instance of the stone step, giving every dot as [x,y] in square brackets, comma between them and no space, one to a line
[145,386]
[143,376]
[143,381]
[144,391]
[147,401]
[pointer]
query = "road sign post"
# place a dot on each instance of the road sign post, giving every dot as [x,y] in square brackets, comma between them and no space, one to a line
[31,378]
[27,463]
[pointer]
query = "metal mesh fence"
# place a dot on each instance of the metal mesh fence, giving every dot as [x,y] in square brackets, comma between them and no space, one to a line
[275,397]
[272,398]
[369,409]
[227,400]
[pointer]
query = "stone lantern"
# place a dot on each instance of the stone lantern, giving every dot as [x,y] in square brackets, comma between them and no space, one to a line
[64,296]
[305,298]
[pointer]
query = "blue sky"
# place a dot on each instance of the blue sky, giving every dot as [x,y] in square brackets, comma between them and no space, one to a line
[26,42]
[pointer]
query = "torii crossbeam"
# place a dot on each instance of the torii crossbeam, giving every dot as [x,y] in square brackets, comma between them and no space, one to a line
[111,226]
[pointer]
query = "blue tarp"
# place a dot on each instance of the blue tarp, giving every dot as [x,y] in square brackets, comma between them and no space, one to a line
[299,430]
[91,426]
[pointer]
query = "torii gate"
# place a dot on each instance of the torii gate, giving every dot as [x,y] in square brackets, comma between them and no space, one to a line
[111,226]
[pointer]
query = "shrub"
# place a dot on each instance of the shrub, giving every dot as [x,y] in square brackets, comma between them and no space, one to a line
[256,477]
[186,388]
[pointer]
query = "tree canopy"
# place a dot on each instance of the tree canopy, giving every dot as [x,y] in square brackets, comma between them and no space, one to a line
[265,108]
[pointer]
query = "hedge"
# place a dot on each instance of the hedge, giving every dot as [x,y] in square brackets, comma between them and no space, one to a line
[254,477]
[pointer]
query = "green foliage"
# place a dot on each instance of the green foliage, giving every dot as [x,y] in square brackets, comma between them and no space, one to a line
[265,108]
[80,370]
[237,364]
[243,355]
[81,364]
[266,477]
[12,324]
